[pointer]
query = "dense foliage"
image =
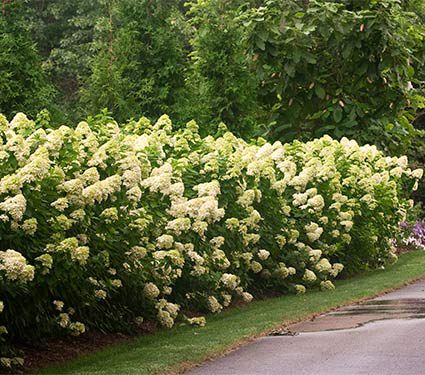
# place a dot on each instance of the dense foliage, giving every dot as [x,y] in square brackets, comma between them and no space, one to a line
[140,66]
[103,226]
[340,68]
[23,83]
[290,69]
[222,84]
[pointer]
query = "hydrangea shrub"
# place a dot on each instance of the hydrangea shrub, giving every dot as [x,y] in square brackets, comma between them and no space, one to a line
[104,225]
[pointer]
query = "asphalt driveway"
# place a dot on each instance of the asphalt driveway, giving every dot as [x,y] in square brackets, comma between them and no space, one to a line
[383,336]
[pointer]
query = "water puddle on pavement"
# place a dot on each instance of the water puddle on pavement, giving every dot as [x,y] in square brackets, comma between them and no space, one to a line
[355,316]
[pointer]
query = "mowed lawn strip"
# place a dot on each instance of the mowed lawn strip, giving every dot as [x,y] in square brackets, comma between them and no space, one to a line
[169,351]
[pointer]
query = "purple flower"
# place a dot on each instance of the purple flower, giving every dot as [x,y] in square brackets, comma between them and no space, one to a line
[414,234]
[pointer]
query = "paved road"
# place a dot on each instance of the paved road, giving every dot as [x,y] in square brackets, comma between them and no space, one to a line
[383,336]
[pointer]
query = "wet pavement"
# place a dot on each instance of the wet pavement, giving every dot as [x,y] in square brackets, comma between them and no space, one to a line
[385,335]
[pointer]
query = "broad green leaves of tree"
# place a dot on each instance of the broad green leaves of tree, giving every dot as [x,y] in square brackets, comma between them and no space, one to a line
[342,68]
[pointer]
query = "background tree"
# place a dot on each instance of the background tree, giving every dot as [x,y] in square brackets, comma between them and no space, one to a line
[293,69]
[221,86]
[23,82]
[67,33]
[140,67]
[343,68]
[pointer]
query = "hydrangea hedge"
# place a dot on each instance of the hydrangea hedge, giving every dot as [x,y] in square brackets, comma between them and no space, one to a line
[103,226]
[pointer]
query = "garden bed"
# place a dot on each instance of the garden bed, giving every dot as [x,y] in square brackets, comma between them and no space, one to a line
[172,351]
[106,226]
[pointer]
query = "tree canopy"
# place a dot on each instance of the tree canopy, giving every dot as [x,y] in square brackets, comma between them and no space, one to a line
[291,69]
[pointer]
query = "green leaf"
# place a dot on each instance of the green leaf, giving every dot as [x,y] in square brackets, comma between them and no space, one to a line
[260,44]
[320,91]
[290,70]
[337,115]
[410,71]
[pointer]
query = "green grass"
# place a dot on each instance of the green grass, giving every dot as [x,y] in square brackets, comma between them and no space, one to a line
[168,350]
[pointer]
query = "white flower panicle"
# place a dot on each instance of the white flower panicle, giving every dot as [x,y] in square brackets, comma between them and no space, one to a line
[14,206]
[15,267]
